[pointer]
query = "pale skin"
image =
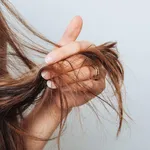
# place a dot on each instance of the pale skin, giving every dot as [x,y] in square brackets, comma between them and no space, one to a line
[45,122]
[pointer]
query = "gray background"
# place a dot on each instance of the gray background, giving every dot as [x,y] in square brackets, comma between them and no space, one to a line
[124,21]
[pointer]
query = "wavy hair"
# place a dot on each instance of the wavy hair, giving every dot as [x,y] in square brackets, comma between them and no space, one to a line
[21,84]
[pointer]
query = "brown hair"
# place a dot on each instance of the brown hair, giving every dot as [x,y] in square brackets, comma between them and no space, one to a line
[21,84]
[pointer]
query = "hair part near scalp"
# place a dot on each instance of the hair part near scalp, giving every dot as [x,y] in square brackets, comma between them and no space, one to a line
[21,84]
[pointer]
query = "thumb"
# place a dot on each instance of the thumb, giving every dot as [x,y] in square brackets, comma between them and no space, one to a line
[72,32]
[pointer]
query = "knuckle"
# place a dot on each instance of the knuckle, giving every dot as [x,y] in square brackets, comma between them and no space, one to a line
[86,60]
[91,85]
[86,72]
[99,86]
[90,71]
[104,72]
[77,46]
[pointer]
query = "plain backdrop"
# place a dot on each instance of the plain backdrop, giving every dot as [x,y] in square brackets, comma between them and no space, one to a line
[124,21]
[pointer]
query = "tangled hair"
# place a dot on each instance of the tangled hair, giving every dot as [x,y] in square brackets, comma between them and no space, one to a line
[21,84]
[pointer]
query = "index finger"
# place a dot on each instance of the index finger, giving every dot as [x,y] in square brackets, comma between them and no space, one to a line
[72,32]
[67,51]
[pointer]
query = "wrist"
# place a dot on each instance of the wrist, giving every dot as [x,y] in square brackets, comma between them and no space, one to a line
[57,113]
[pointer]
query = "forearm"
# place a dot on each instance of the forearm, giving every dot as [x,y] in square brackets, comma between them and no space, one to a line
[42,125]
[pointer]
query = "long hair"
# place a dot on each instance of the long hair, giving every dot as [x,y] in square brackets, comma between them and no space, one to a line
[21,84]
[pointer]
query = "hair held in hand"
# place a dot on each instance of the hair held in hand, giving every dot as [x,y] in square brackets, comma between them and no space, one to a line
[21,84]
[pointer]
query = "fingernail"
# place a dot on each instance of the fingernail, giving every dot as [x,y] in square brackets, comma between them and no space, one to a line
[44,73]
[49,59]
[51,84]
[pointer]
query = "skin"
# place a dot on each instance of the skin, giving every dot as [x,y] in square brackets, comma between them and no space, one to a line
[47,120]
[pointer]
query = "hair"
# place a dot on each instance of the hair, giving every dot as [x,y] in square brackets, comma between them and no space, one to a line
[21,84]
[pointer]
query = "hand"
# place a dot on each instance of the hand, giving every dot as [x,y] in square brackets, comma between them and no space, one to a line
[78,75]
[45,121]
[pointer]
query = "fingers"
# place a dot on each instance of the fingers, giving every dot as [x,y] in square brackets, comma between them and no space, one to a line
[72,32]
[66,51]
[69,64]
[78,75]
[80,93]
[93,86]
